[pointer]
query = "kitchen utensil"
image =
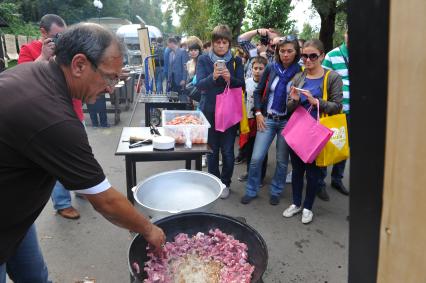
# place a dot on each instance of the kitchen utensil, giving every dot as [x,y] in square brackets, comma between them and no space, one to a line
[163,143]
[177,191]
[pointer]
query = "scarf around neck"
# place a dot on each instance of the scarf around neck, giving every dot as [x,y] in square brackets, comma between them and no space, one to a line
[227,57]
[280,94]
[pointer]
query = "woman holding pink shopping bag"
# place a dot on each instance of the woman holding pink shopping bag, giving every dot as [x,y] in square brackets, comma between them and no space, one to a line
[270,98]
[307,91]
[216,71]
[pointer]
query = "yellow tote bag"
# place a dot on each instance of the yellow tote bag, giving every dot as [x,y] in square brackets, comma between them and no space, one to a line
[337,148]
[244,125]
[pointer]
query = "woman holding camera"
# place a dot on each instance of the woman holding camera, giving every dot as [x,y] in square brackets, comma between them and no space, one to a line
[215,71]
[309,94]
[270,101]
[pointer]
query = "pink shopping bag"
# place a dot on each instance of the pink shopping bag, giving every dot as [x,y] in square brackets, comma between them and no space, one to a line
[229,110]
[305,135]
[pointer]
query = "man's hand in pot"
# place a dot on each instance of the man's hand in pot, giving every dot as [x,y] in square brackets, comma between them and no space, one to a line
[156,238]
[118,210]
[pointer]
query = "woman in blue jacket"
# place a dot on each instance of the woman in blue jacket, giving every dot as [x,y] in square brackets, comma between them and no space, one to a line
[212,79]
[270,101]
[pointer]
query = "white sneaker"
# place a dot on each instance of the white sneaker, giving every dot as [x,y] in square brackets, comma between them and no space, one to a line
[225,193]
[203,161]
[291,210]
[288,178]
[307,216]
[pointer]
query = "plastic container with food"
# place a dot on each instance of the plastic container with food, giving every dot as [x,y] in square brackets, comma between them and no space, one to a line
[185,124]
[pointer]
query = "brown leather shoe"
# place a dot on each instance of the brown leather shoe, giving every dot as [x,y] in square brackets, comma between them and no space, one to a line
[69,213]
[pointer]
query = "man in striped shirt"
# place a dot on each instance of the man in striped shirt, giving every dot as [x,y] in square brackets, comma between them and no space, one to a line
[337,60]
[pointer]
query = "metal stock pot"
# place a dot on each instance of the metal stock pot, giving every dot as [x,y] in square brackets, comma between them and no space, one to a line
[177,191]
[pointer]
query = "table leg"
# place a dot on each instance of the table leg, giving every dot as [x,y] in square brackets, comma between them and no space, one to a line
[198,163]
[130,178]
[188,164]
[147,114]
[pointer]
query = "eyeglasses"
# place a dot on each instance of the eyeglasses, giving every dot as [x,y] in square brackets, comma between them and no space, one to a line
[312,56]
[110,82]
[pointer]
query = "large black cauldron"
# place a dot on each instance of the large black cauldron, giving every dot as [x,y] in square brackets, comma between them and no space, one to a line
[194,222]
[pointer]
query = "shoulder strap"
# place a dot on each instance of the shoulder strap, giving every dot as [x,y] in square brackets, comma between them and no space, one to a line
[324,90]
[324,87]
[344,58]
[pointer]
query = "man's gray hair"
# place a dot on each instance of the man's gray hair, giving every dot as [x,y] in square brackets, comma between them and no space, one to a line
[85,38]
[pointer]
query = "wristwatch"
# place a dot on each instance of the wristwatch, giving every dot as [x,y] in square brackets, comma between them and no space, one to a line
[258,113]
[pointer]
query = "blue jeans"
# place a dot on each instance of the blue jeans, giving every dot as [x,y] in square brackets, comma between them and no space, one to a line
[61,197]
[261,146]
[312,177]
[336,173]
[27,264]
[223,142]
[99,107]
[159,78]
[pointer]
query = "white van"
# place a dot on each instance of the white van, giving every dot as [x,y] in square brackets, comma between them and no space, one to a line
[129,35]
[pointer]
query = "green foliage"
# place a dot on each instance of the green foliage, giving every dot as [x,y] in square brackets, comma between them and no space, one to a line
[271,14]
[194,15]
[199,17]
[340,28]
[308,32]
[228,12]
[328,10]
[74,11]
[168,27]
[148,10]
[9,12]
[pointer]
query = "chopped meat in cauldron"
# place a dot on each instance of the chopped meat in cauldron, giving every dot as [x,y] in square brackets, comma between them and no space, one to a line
[214,249]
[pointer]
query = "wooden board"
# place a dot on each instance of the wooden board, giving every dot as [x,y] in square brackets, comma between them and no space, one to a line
[11,51]
[22,39]
[403,230]
[145,48]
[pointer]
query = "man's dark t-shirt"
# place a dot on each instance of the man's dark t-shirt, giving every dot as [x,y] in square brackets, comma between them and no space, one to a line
[41,141]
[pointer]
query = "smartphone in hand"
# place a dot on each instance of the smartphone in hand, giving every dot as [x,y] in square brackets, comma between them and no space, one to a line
[299,89]
[220,64]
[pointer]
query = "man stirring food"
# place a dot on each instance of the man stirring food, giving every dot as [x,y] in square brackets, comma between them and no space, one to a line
[42,140]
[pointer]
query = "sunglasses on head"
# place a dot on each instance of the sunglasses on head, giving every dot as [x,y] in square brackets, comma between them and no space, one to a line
[312,56]
[285,39]
[288,38]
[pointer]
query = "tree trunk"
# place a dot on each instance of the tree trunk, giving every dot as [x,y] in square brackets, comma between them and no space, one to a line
[327,29]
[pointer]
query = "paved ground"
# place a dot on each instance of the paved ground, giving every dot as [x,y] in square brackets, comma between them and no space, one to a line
[92,247]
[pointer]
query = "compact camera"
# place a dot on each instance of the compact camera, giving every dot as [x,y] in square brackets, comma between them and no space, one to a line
[264,40]
[55,38]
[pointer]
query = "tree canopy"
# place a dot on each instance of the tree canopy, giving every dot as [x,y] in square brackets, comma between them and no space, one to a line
[197,17]
[270,14]
[328,9]
[79,10]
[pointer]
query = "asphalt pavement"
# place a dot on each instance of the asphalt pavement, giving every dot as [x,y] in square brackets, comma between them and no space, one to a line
[93,248]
